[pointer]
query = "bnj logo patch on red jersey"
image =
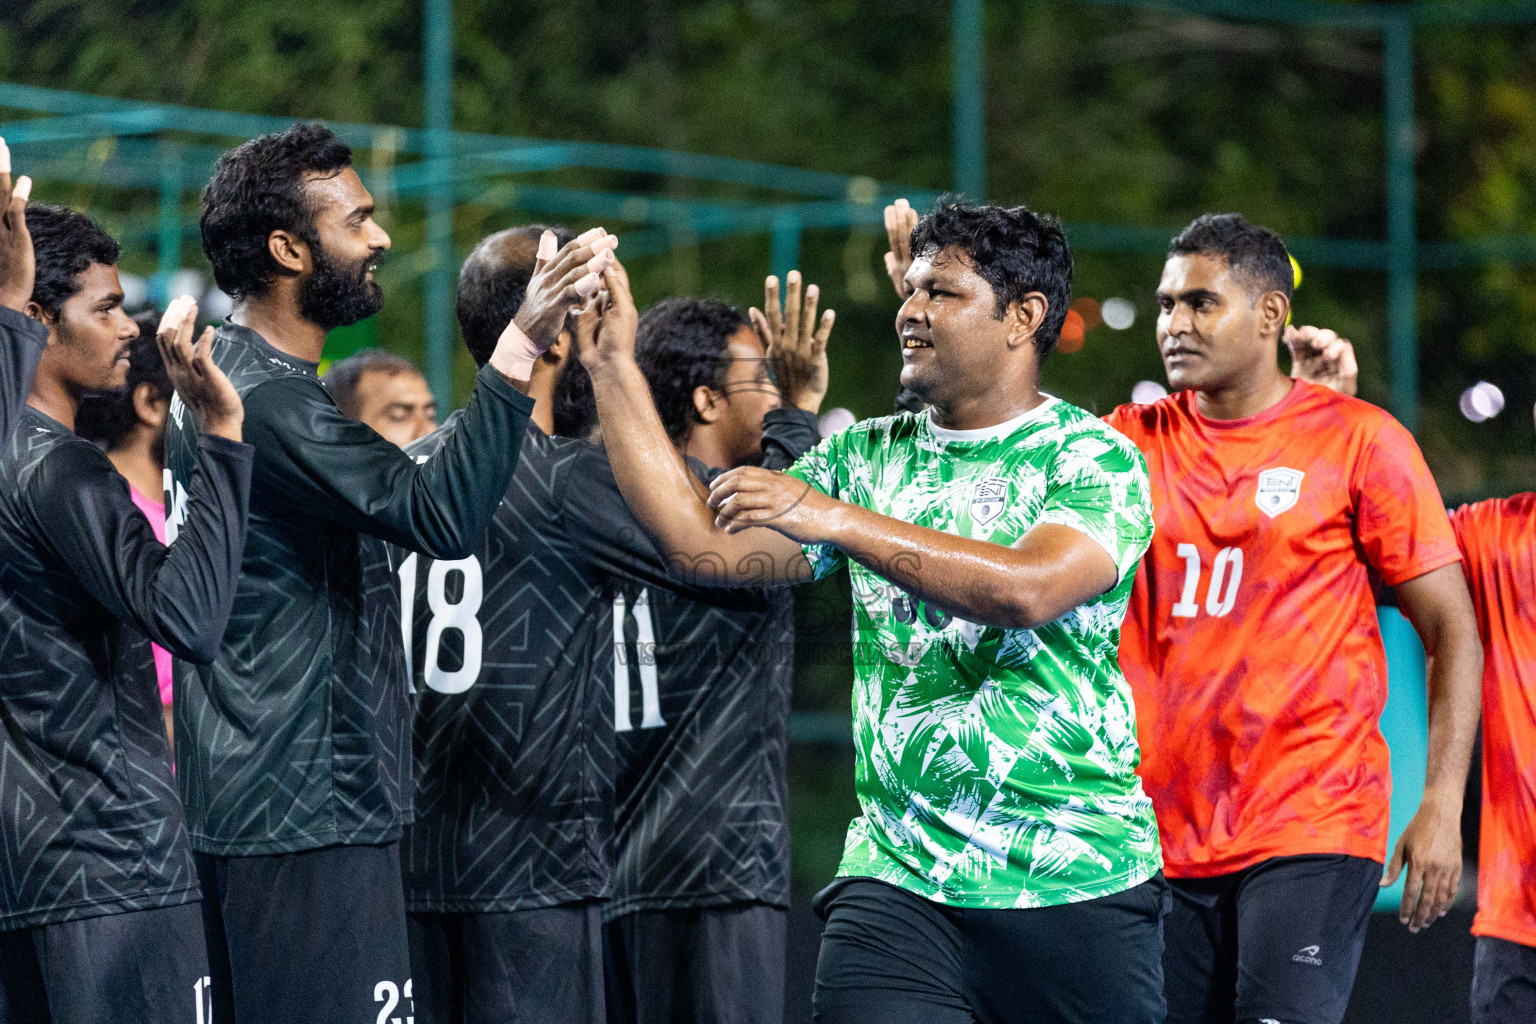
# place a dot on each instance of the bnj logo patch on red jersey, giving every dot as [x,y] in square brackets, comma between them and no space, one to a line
[1278,490]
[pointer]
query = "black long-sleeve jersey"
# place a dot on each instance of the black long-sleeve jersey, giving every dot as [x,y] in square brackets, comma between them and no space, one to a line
[21,345]
[513,654]
[702,776]
[89,820]
[297,736]
[513,742]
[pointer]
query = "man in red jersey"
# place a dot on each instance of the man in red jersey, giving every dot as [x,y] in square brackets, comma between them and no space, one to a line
[1253,649]
[1499,548]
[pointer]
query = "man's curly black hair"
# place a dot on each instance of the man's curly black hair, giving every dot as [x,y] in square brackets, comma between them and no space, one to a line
[1255,254]
[258,188]
[1013,249]
[494,281]
[106,417]
[65,243]
[683,344]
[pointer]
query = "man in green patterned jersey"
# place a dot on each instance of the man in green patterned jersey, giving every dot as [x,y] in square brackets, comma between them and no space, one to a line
[1006,863]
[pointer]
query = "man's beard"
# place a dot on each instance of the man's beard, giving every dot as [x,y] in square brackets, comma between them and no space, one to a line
[337,295]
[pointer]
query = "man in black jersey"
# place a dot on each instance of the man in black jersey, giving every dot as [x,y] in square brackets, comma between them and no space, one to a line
[696,925]
[293,746]
[513,652]
[21,338]
[98,896]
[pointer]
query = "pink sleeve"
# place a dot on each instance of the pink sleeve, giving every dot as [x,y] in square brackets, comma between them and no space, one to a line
[154,511]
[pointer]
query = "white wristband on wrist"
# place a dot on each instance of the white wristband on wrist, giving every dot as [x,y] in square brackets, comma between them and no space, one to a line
[515,353]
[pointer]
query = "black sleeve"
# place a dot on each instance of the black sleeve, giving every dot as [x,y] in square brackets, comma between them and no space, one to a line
[599,523]
[787,435]
[332,467]
[21,345]
[179,596]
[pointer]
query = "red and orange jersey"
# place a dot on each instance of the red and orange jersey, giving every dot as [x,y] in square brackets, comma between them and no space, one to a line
[1498,545]
[1251,642]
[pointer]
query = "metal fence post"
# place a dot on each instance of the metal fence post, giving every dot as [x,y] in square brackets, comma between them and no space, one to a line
[1402,246]
[969,123]
[169,242]
[438,89]
[784,250]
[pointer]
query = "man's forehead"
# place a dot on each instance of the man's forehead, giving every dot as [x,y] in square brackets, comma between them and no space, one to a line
[395,385]
[336,191]
[745,344]
[1196,271]
[98,281]
[945,264]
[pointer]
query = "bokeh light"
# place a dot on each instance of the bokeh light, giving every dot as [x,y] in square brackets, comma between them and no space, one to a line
[1073,332]
[1119,314]
[135,291]
[1089,310]
[1482,401]
[834,420]
[215,305]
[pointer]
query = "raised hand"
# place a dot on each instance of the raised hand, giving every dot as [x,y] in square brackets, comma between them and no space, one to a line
[199,383]
[605,330]
[900,220]
[584,324]
[795,343]
[1322,357]
[563,279]
[18,266]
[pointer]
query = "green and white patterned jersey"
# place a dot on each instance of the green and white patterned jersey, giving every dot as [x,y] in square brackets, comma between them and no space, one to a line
[996,767]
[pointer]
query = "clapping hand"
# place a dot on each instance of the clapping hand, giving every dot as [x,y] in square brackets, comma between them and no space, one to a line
[606,325]
[199,383]
[563,280]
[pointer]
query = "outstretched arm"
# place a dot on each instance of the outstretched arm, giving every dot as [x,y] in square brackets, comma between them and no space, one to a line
[179,596]
[1050,571]
[1438,605]
[328,466]
[661,491]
